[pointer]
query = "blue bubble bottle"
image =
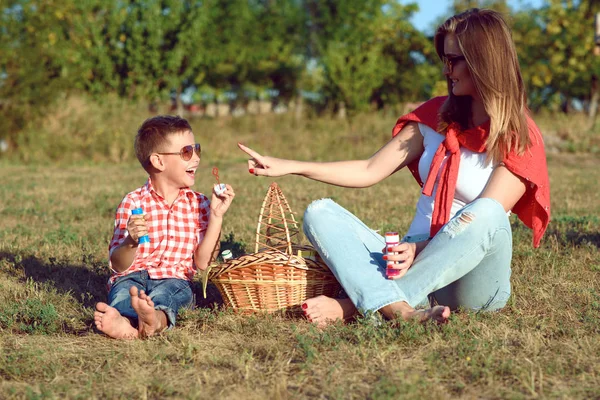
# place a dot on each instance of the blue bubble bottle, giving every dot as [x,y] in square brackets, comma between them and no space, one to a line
[145,238]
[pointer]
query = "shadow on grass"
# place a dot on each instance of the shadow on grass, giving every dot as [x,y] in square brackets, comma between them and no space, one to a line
[87,283]
[213,296]
[575,238]
[575,230]
[568,231]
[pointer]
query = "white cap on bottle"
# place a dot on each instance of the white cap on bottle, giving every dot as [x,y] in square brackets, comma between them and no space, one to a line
[392,237]
[226,255]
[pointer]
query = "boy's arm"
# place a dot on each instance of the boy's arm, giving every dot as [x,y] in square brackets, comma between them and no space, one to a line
[128,229]
[208,248]
[122,256]
[216,250]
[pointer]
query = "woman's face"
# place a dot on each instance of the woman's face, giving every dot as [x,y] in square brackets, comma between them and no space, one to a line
[458,73]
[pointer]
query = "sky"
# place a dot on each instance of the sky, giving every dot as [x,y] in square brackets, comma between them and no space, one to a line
[431,10]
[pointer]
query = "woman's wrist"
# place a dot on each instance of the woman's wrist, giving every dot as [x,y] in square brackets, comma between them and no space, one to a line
[294,167]
[419,246]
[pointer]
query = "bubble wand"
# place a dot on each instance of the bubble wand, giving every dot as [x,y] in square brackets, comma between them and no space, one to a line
[215,172]
[220,188]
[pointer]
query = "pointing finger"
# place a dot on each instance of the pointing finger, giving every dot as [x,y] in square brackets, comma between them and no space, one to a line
[249,151]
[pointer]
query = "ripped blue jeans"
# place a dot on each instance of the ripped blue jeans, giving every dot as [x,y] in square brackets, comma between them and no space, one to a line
[467,264]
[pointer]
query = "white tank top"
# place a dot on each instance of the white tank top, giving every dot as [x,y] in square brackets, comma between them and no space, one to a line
[473,175]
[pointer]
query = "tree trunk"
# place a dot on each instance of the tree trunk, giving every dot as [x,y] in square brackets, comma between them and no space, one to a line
[299,107]
[341,110]
[178,103]
[566,105]
[594,97]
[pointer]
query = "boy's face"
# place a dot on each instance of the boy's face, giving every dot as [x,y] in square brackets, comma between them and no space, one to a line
[178,172]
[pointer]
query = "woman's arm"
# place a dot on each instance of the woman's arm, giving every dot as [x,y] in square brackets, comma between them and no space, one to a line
[396,154]
[504,187]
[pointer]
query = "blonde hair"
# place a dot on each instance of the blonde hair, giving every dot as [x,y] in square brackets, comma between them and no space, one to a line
[486,43]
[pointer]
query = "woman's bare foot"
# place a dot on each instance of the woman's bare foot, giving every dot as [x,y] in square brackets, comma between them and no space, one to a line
[112,323]
[149,319]
[323,310]
[403,310]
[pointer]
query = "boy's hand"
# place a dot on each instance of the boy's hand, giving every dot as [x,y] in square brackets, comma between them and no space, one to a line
[136,227]
[219,204]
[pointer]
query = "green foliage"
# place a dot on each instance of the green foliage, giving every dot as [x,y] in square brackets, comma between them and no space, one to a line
[254,42]
[368,50]
[352,53]
[556,52]
[30,316]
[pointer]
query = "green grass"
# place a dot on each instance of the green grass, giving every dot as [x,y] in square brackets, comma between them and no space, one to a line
[57,222]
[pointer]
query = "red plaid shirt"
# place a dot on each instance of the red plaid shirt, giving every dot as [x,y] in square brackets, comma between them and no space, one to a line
[174,232]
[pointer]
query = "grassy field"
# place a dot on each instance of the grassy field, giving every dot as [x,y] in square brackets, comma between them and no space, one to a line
[56,222]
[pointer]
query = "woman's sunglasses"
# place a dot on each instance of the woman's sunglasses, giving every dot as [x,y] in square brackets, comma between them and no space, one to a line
[450,61]
[186,152]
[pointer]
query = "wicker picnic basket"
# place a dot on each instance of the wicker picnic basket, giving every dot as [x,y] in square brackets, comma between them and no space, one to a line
[280,274]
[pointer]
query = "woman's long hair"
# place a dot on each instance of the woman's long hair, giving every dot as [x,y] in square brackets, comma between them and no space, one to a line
[486,42]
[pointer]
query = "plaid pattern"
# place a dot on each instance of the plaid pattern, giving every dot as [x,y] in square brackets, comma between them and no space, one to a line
[174,232]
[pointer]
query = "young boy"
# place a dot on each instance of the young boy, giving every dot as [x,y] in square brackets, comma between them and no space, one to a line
[151,281]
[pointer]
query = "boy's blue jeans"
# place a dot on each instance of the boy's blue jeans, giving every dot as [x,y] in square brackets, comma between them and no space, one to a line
[168,295]
[467,264]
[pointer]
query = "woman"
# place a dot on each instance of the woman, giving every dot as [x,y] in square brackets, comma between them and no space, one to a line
[479,155]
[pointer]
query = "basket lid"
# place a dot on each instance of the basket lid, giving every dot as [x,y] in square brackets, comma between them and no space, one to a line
[277,228]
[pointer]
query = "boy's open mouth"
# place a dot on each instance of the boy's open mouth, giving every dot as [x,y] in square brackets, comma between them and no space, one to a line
[190,172]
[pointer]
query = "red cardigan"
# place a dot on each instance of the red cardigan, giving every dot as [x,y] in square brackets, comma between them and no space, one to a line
[533,208]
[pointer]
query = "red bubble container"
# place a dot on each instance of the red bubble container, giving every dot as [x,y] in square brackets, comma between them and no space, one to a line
[391,239]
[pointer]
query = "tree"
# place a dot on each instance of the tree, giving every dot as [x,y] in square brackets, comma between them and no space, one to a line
[254,44]
[416,65]
[556,51]
[39,57]
[361,44]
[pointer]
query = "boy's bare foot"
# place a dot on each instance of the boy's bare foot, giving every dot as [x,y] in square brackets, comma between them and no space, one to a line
[112,323]
[323,310]
[403,310]
[149,321]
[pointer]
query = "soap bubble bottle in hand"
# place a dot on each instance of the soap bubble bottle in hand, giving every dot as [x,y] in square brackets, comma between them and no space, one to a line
[145,238]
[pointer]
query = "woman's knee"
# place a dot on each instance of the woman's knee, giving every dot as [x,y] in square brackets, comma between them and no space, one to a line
[315,215]
[485,213]
[318,207]
[479,300]
[319,211]
[485,208]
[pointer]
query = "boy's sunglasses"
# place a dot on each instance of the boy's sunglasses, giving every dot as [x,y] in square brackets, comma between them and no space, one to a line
[186,152]
[450,61]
